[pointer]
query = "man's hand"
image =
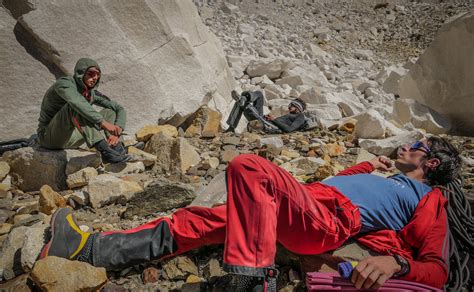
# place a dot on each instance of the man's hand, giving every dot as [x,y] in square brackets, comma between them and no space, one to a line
[270,117]
[111,128]
[113,140]
[382,163]
[372,272]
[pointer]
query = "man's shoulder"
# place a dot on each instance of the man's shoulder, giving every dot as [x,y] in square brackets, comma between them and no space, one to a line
[65,81]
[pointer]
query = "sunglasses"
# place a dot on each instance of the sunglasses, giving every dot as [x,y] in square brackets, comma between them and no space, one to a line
[418,145]
[92,73]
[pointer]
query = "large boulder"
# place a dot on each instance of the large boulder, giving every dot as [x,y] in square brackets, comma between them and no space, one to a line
[32,168]
[158,59]
[407,110]
[388,146]
[24,82]
[442,76]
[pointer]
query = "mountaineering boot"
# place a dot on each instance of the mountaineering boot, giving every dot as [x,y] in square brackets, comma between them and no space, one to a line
[67,239]
[119,148]
[242,283]
[109,155]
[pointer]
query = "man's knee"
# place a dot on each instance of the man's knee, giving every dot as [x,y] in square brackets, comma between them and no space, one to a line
[109,115]
[244,162]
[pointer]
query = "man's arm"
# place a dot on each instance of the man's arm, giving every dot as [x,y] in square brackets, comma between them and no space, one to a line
[430,267]
[381,163]
[284,124]
[78,103]
[105,102]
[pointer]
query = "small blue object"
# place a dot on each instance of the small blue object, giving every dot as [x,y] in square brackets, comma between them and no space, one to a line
[345,269]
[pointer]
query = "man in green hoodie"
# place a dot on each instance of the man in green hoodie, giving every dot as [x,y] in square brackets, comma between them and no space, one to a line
[68,119]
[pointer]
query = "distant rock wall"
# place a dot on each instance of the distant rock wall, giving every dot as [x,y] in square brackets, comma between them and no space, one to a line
[158,59]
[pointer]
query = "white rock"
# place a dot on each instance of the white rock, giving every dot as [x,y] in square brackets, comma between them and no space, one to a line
[271,68]
[106,189]
[421,116]
[123,168]
[154,66]
[81,177]
[388,146]
[24,82]
[442,76]
[229,8]
[370,125]
[34,243]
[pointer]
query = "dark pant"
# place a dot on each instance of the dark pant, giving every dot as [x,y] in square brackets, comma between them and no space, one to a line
[247,99]
[62,132]
[265,205]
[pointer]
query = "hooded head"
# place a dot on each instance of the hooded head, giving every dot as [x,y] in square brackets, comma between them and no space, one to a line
[80,70]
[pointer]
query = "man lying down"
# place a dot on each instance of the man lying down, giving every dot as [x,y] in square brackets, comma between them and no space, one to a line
[402,218]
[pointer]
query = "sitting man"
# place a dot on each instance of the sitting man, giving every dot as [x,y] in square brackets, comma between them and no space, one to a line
[402,217]
[250,103]
[67,118]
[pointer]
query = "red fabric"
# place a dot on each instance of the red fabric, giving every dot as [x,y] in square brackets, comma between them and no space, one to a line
[265,204]
[426,236]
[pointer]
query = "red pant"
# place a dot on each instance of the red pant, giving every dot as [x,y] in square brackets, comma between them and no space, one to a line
[265,204]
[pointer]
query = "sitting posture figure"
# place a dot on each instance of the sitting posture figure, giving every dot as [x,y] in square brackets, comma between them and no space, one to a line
[250,104]
[68,119]
[402,217]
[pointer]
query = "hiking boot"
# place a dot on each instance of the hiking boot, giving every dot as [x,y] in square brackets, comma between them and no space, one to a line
[119,148]
[109,155]
[67,239]
[235,95]
[243,283]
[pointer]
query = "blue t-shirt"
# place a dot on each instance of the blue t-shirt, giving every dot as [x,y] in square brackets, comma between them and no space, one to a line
[384,203]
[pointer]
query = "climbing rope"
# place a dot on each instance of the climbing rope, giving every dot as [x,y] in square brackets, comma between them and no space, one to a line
[461,238]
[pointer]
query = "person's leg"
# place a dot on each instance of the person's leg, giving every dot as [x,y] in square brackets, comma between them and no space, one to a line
[187,229]
[265,205]
[57,134]
[236,114]
[89,131]
[257,101]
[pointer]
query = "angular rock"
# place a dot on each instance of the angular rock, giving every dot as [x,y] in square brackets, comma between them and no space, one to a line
[271,68]
[145,133]
[421,116]
[106,189]
[4,170]
[140,155]
[173,155]
[160,196]
[370,125]
[228,155]
[151,275]
[19,118]
[335,149]
[35,167]
[226,7]
[388,146]
[179,268]
[34,243]
[81,178]
[10,265]
[441,78]
[58,274]
[26,206]
[49,200]
[155,67]
[303,165]
[205,123]
[124,168]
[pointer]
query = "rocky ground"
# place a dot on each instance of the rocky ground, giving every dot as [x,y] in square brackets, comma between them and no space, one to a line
[346,57]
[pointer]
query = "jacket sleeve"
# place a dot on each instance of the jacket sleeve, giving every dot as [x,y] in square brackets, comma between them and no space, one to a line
[363,167]
[283,123]
[102,100]
[430,266]
[77,102]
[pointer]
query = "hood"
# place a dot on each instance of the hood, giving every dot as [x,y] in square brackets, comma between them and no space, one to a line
[80,69]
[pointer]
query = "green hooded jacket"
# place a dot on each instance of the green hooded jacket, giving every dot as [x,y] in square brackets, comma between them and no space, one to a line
[68,90]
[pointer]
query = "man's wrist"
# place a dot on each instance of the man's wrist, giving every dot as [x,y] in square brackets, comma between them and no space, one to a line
[402,267]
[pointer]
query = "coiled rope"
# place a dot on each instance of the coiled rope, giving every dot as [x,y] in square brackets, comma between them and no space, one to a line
[461,238]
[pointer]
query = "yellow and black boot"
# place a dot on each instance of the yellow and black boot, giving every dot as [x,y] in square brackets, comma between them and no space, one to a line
[67,239]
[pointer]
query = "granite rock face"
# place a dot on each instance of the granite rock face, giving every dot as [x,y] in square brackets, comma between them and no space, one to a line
[157,57]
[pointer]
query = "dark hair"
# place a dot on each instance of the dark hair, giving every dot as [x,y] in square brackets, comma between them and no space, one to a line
[450,162]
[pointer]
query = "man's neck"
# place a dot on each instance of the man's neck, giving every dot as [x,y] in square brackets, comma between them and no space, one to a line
[416,175]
